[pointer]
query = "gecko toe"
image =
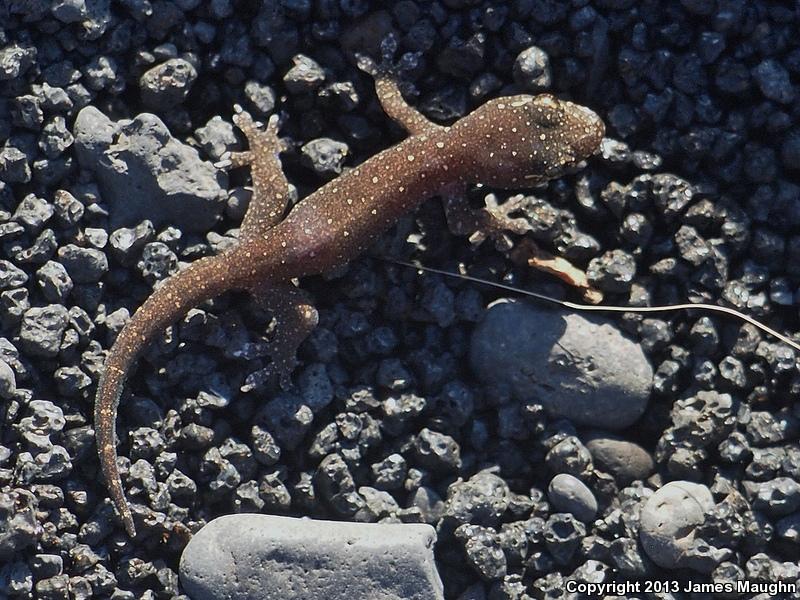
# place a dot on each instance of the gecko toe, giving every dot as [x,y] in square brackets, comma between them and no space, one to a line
[281,370]
[366,64]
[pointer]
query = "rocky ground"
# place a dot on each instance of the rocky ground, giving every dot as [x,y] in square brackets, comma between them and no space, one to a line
[414,403]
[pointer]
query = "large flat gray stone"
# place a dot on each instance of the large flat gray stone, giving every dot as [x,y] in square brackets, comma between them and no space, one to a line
[250,556]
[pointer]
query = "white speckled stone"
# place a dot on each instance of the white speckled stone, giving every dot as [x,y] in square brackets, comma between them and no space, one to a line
[250,556]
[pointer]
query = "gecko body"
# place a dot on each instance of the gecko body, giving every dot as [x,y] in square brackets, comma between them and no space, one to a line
[509,142]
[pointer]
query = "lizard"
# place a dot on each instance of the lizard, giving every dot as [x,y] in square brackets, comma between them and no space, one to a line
[510,142]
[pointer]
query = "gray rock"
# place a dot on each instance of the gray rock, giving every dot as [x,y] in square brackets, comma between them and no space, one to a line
[481,500]
[54,281]
[127,242]
[774,81]
[437,451]
[612,272]
[215,137]
[788,528]
[167,85]
[267,557]
[46,565]
[581,369]
[15,59]
[698,423]
[305,76]
[325,156]
[570,456]
[68,209]
[669,522]
[388,474]
[18,525]
[8,380]
[145,173]
[532,70]
[42,329]
[102,73]
[157,262]
[14,167]
[778,497]
[33,212]
[624,460]
[483,551]
[569,494]
[562,536]
[11,276]
[84,265]
[261,96]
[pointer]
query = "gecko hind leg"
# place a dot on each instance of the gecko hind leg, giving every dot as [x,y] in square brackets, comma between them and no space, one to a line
[388,87]
[271,189]
[296,317]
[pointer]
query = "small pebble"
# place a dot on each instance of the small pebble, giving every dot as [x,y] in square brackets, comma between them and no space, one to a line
[626,461]
[168,84]
[570,495]
[532,70]
[325,156]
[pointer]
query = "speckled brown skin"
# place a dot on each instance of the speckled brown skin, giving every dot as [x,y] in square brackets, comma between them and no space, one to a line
[511,142]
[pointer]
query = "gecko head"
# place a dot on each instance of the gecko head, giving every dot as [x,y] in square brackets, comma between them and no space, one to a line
[523,140]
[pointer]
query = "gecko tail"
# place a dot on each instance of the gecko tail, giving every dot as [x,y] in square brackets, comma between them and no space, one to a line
[109,392]
[193,285]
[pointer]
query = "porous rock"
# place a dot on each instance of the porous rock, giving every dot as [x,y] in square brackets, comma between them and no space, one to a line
[670,521]
[145,173]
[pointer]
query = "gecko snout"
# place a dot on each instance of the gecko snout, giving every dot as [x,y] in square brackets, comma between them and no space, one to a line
[586,131]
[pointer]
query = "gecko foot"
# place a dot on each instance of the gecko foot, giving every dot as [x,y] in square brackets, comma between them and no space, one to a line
[295,317]
[258,379]
[388,68]
[257,136]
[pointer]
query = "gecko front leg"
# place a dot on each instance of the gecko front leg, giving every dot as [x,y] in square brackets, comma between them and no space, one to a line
[271,189]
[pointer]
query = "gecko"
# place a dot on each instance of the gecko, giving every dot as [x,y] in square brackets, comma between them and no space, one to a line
[510,142]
